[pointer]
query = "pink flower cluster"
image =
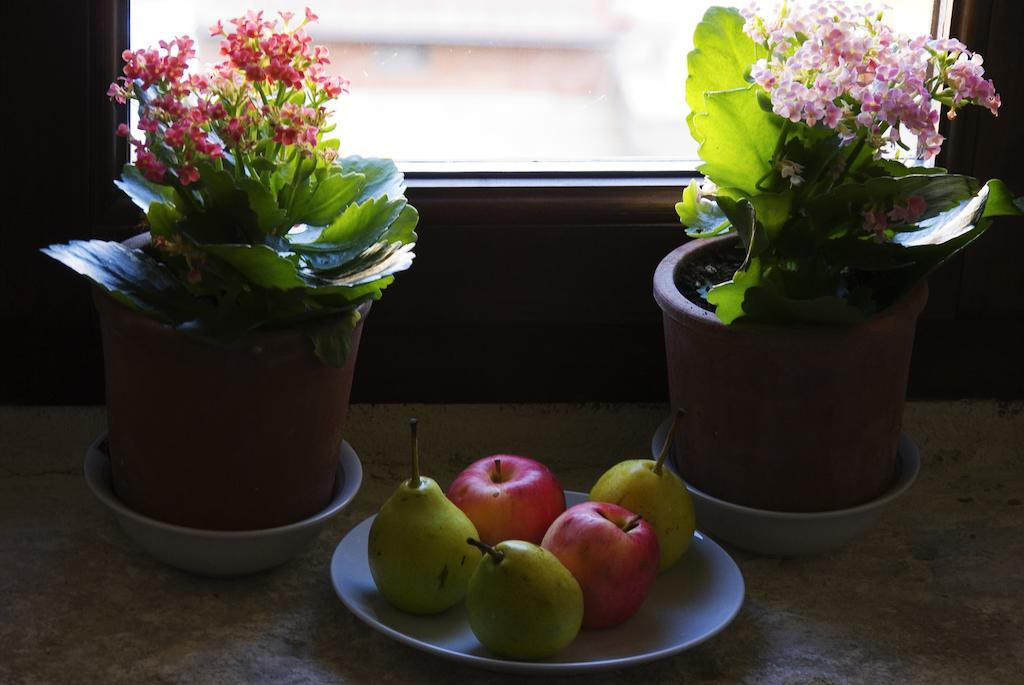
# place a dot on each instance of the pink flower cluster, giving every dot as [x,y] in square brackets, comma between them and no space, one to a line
[245,100]
[837,64]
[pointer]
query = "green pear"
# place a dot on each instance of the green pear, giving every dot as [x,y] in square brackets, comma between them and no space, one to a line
[522,603]
[643,486]
[417,546]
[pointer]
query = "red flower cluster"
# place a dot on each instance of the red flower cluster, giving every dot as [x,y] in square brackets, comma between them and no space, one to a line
[266,55]
[246,99]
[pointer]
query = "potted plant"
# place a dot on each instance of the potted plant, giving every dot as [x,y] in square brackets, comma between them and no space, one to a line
[789,319]
[230,328]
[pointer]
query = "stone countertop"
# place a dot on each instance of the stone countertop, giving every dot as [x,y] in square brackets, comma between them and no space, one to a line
[934,593]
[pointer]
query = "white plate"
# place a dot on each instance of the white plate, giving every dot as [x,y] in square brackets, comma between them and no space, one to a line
[689,603]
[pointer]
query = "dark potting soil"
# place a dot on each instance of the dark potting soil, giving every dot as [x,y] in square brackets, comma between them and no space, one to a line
[715,265]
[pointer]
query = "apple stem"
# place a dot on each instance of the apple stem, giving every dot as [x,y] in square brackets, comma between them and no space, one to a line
[487,549]
[497,470]
[669,440]
[415,480]
[632,522]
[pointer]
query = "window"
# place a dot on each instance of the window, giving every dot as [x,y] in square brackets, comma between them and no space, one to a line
[498,81]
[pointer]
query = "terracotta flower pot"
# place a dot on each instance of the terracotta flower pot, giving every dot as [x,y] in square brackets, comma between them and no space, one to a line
[220,437]
[785,418]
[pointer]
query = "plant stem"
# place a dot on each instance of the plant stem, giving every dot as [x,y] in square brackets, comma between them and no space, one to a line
[779,147]
[185,194]
[676,420]
[487,549]
[716,231]
[414,482]
[750,252]
[295,179]
[239,164]
[782,142]
[760,181]
[849,161]
[263,97]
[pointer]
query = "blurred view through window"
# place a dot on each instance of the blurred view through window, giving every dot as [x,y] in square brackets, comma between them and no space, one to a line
[496,80]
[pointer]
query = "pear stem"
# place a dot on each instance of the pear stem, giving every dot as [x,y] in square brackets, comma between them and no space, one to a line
[415,480]
[669,440]
[487,549]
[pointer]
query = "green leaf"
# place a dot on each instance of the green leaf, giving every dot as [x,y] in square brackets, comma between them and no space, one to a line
[892,167]
[263,167]
[721,56]
[241,310]
[377,262]
[226,216]
[744,221]
[940,191]
[1000,201]
[360,224]
[131,277]
[403,229]
[329,144]
[260,265]
[728,297]
[162,218]
[702,217]
[816,150]
[263,202]
[737,138]
[844,205]
[938,239]
[389,254]
[297,195]
[332,341]
[330,198]
[382,177]
[144,192]
[360,230]
[338,296]
[862,252]
[755,296]
[772,210]
[943,235]
[766,305]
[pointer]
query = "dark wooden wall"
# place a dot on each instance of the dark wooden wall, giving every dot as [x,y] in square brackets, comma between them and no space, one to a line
[972,335]
[526,289]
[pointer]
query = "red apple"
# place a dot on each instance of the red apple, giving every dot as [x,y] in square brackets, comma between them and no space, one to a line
[508,498]
[613,554]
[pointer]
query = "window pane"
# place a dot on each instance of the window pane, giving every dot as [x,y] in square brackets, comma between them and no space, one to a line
[489,80]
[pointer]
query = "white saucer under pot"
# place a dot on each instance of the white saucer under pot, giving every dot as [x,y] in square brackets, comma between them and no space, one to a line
[793,534]
[219,553]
